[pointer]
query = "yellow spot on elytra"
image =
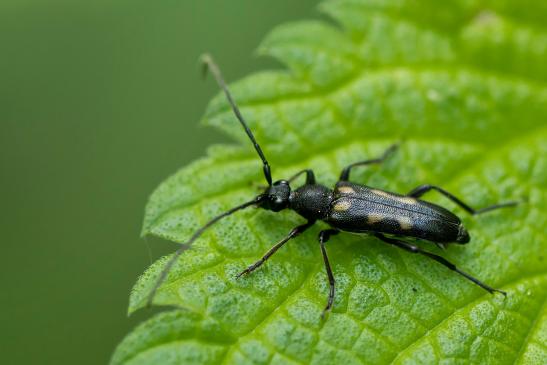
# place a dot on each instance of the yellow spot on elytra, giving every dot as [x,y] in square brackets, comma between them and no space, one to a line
[404,222]
[342,206]
[407,200]
[346,190]
[402,199]
[374,218]
[381,193]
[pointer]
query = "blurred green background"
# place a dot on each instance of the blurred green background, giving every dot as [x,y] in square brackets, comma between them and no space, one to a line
[99,102]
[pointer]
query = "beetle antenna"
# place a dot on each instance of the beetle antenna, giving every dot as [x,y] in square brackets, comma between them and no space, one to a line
[186,245]
[209,64]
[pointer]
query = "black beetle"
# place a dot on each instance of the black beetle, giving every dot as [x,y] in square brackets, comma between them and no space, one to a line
[349,207]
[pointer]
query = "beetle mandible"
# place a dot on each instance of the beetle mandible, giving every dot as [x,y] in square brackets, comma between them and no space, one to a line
[349,207]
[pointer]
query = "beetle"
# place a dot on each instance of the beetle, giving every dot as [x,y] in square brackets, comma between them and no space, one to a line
[349,207]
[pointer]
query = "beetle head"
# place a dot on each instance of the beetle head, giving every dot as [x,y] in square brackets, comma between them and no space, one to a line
[276,196]
[463,235]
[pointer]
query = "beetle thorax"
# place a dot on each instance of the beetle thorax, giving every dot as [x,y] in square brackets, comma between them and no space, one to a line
[311,201]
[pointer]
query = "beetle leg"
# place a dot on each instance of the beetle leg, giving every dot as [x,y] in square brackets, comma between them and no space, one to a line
[323,238]
[344,176]
[310,177]
[293,233]
[422,189]
[415,249]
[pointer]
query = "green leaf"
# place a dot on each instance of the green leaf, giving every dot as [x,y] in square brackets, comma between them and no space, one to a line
[464,83]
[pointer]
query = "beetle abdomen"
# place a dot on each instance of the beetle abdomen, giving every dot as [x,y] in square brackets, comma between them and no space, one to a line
[357,208]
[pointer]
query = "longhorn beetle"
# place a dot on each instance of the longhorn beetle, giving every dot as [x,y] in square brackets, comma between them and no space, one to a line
[350,207]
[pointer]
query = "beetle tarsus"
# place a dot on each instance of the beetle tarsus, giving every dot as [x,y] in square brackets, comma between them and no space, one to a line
[499,291]
[293,233]
[250,269]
